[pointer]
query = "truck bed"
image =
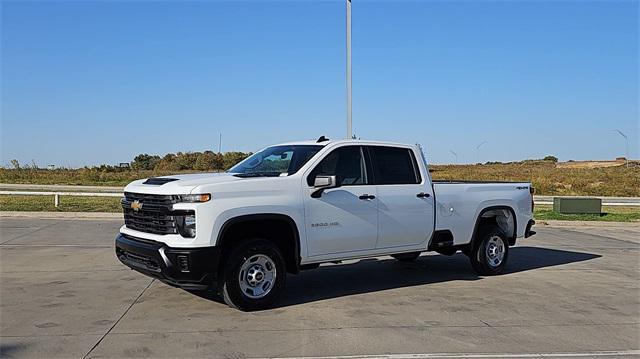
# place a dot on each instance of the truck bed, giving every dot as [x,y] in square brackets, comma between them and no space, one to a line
[457,202]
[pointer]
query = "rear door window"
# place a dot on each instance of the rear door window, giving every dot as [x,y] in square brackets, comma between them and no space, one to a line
[394,165]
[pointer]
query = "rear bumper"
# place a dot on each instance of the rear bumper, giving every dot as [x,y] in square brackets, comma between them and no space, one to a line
[188,268]
[528,232]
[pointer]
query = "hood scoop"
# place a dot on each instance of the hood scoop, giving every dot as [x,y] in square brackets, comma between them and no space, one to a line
[158,181]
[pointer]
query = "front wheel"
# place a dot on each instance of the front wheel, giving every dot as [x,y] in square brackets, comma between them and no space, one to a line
[490,251]
[254,276]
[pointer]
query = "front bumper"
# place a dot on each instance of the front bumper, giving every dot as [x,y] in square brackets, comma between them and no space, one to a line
[188,268]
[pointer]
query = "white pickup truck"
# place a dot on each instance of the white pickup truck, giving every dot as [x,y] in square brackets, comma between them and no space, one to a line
[293,206]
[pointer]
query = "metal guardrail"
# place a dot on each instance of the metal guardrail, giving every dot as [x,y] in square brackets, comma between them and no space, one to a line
[606,201]
[85,194]
[538,200]
[56,195]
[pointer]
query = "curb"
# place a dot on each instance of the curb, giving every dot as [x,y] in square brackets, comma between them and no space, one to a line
[560,223]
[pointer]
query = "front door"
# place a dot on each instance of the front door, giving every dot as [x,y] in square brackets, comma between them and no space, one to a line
[343,219]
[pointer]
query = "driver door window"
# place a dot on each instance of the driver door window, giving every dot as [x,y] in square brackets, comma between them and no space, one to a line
[346,163]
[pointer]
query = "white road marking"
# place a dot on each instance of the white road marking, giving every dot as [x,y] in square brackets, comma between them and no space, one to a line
[618,353]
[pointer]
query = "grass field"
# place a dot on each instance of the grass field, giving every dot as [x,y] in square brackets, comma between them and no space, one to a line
[549,178]
[610,214]
[112,204]
[67,204]
[81,176]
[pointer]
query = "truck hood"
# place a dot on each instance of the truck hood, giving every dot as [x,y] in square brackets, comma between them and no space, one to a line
[180,184]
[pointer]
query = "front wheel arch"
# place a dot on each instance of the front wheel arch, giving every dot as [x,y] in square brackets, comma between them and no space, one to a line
[277,228]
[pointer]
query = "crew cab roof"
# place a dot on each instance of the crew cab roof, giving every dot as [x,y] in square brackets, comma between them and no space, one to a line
[345,141]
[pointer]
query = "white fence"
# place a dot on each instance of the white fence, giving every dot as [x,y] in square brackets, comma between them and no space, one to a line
[539,200]
[56,195]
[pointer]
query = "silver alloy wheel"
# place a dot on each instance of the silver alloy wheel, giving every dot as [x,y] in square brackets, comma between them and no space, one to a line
[257,276]
[495,251]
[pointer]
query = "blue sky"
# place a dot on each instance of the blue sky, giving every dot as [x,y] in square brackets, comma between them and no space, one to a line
[98,82]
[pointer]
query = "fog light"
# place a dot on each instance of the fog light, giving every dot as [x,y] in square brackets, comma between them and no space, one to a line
[183,263]
[187,225]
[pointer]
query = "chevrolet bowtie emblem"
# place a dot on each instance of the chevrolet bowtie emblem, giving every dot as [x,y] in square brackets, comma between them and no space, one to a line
[136,205]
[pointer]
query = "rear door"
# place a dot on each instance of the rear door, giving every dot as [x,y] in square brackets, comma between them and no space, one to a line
[343,219]
[405,198]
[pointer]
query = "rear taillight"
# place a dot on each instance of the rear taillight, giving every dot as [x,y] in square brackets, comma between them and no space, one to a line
[532,190]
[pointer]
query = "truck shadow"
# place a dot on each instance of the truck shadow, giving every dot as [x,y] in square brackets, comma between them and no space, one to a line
[11,350]
[373,275]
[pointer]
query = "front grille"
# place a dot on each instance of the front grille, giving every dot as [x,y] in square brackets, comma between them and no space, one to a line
[154,214]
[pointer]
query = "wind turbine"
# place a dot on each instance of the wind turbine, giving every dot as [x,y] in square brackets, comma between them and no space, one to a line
[455,154]
[478,150]
[626,144]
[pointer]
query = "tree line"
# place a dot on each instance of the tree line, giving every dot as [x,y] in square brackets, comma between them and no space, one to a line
[180,161]
[199,161]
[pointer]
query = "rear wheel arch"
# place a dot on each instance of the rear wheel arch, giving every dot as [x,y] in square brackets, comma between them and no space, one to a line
[278,228]
[495,215]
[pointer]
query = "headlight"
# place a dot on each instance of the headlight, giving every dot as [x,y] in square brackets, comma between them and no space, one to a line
[186,224]
[195,198]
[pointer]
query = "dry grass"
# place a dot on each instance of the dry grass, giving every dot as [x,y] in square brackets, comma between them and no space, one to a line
[590,164]
[67,204]
[549,179]
[82,176]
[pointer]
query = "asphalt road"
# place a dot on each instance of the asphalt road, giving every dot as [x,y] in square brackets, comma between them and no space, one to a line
[570,289]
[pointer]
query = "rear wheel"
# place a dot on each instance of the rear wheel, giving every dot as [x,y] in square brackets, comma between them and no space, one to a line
[490,251]
[254,276]
[406,257]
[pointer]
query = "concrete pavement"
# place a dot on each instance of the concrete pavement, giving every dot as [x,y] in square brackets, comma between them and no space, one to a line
[569,289]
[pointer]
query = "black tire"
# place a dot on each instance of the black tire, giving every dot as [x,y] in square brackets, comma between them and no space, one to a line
[231,287]
[406,257]
[489,240]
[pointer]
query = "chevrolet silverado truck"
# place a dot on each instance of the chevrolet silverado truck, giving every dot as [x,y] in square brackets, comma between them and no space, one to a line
[293,206]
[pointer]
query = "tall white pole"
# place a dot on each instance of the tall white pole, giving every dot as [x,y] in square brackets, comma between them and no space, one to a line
[349,126]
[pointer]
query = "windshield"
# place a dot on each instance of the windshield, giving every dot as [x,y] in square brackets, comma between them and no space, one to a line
[275,161]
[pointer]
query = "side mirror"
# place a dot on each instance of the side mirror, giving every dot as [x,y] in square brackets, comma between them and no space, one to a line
[321,183]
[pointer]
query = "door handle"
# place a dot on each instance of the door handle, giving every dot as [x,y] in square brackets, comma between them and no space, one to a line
[423,195]
[367,196]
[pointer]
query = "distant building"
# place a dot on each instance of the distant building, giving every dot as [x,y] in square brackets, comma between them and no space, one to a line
[51,167]
[123,165]
[621,159]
